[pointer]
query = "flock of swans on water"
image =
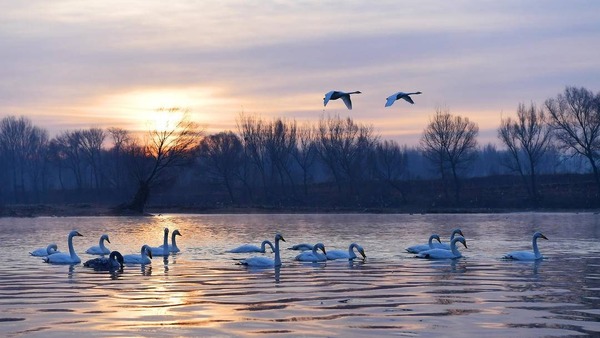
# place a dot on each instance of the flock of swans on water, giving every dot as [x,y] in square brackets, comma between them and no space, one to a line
[310,253]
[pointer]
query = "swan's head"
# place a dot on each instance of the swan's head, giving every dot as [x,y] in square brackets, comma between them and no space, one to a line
[279,237]
[176,233]
[457,232]
[116,255]
[462,240]
[52,248]
[539,235]
[436,237]
[148,251]
[75,233]
[320,246]
[105,237]
[166,230]
[358,92]
[361,251]
[418,93]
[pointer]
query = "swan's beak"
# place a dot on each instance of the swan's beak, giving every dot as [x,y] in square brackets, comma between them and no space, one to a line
[544,237]
[283,239]
[149,253]
[437,239]
[78,234]
[362,252]
[108,240]
[460,233]
[465,244]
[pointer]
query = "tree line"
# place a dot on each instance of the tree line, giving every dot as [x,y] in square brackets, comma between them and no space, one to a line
[280,163]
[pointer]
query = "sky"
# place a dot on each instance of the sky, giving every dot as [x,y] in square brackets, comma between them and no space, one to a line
[69,65]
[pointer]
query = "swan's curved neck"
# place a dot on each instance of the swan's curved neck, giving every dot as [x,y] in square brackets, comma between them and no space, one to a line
[101,243]
[143,252]
[166,240]
[536,251]
[351,254]
[277,257]
[71,248]
[430,242]
[174,240]
[454,249]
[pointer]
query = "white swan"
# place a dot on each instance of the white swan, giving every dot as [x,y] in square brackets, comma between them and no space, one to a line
[99,249]
[444,254]
[423,247]
[302,247]
[446,246]
[400,95]
[143,258]
[313,256]
[349,255]
[113,262]
[43,252]
[265,262]
[160,250]
[173,247]
[253,248]
[334,95]
[527,255]
[62,257]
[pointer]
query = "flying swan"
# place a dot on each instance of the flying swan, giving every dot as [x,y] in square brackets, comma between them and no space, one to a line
[265,262]
[444,254]
[62,257]
[253,248]
[173,247]
[100,249]
[113,262]
[43,252]
[400,95]
[528,255]
[423,247]
[334,95]
[313,256]
[349,255]
[143,258]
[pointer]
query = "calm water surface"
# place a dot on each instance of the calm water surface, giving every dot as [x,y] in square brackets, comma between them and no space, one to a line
[202,292]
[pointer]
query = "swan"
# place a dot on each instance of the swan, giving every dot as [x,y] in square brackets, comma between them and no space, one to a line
[528,255]
[113,262]
[63,257]
[400,95]
[313,256]
[442,253]
[253,248]
[334,95]
[349,255]
[265,262]
[423,247]
[302,247]
[100,249]
[173,247]
[160,250]
[43,252]
[446,246]
[143,258]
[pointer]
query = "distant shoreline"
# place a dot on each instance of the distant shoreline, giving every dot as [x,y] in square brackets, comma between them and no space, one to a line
[82,210]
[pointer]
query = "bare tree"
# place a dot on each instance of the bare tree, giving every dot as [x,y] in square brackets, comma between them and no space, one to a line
[450,143]
[389,164]
[575,117]
[252,131]
[224,152]
[162,150]
[527,138]
[68,150]
[305,152]
[280,143]
[91,142]
[121,140]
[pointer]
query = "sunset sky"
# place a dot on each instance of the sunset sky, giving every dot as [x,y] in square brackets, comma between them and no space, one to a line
[81,64]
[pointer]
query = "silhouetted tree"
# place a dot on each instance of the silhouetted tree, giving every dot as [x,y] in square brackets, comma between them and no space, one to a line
[280,143]
[121,140]
[575,117]
[305,152]
[223,152]
[91,141]
[527,138]
[252,131]
[389,164]
[450,143]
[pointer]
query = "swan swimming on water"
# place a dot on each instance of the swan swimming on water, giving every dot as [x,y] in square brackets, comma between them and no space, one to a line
[422,247]
[446,246]
[400,95]
[100,249]
[143,258]
[160,250]
[43,252]
[528,255]
[442,253]
[302,247]
[334,95]
[173,247]
[62,257]
[113,262]
[265,262]
[313,256]
[253,248]
[349,255]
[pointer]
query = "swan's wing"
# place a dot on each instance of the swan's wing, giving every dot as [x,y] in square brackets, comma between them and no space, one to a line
[390,100]
[408,99]
[346,99]
[327,97]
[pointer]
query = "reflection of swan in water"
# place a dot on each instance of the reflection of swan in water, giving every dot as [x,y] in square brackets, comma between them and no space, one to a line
[99,249]
[265,262]
[62,257]
[160,250]
[43,252]
[143,258]
[173,247]
[113,262]
[313,256]
[444,254]
[341,254]
[422,247]
[527,255]
[302,247]
[253,248]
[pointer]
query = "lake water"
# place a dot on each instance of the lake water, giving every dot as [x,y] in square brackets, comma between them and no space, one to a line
[202,292]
